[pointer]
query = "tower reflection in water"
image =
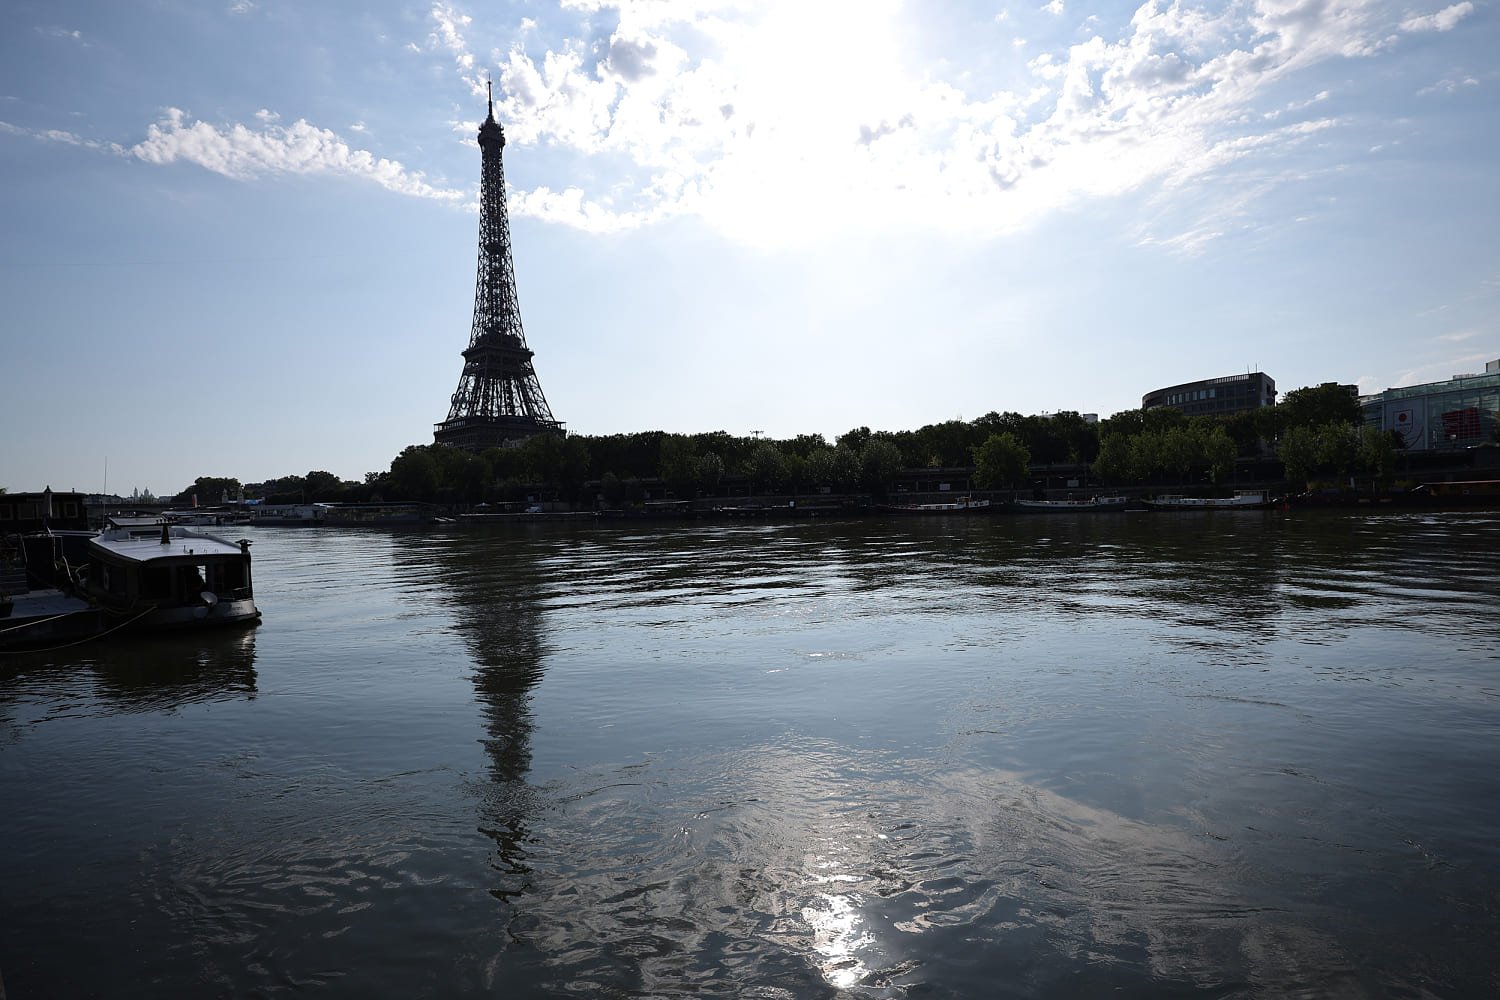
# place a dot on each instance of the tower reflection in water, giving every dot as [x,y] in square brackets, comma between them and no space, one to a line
[496,597]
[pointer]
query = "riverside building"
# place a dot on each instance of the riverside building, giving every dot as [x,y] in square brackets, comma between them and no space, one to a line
[1216,396]
[1457,413]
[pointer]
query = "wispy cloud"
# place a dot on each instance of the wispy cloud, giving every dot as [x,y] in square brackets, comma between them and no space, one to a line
[449,26]
[1448,85]
[61,137]
[243,153]
[1443,20]
[780,119]
[65,34]
[777,120]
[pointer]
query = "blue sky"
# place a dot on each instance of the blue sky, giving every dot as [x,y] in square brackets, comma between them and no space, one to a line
[241,234]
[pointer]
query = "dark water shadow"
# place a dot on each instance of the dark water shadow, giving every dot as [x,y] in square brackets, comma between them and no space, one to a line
[148,673]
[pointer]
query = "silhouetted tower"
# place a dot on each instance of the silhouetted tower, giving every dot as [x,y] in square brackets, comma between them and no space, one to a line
[499,398]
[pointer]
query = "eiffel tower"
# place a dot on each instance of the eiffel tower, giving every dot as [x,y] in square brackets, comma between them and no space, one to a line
[498,400]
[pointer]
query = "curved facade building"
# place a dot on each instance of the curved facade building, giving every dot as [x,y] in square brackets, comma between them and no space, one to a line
[1216,396]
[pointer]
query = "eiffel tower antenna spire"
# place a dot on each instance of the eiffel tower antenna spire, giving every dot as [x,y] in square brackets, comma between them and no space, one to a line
[499,399]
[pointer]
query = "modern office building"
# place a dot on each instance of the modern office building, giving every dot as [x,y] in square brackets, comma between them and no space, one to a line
[1457,413]
[1216,396]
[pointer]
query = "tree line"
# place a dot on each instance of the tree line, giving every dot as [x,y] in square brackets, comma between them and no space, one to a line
[1313,431]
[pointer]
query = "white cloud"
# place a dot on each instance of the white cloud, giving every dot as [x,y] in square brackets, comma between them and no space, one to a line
[779,120]
[1448,85]
[571,207]
[54,31]
[1443,20]
[449,27]
[61,137]
[242,153]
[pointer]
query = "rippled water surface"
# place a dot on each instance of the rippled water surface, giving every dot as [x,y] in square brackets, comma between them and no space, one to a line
[1208,754]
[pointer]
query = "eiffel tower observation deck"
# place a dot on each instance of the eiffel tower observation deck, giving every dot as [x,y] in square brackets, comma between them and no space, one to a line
[499,400]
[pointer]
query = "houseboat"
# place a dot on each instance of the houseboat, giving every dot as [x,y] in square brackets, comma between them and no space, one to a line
[1461,493]
[159,575]
[1242,500]
[292,515]
[963,505]
[1071,505]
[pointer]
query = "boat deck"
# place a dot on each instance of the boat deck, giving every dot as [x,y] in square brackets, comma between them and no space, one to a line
[144,546]
[40,617]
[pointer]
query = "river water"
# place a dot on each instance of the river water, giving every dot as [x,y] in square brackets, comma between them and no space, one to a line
[1222,754]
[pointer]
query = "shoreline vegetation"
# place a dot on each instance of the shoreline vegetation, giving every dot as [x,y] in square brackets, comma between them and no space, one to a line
[1313,441]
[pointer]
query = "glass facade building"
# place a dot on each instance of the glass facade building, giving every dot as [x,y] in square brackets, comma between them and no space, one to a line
[1216,396]
[1458,413]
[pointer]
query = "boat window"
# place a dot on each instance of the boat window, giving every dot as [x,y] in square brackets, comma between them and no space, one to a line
[156,581]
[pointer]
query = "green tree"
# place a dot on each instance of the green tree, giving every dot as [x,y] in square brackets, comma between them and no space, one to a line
[572,467]
[612,488]
[1318,406]
[854,439]
[1378,451]
[767,466]
[285,489]
[322,486]
[1219,452]
[1179,452]
[1115,461]
[1071,437]
[944,445]
[1250,430]
[461,475]
[1148,454]
[678,465]
[880,461]
[819,467]
[1126,423]
[414,473]
[846,468]
[210,490]
[1327,449]
[1002,461]
[710,471]
[803,445]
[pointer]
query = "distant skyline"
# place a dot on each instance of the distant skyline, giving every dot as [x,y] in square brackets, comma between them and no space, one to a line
[241,236]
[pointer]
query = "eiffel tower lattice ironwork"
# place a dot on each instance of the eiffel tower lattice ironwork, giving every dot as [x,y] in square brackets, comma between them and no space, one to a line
[498,399]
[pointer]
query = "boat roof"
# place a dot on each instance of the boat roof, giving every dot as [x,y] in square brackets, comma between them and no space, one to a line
[133,520]
[145,544]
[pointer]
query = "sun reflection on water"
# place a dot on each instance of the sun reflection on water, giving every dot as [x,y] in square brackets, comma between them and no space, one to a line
[837,925]
[837,937]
